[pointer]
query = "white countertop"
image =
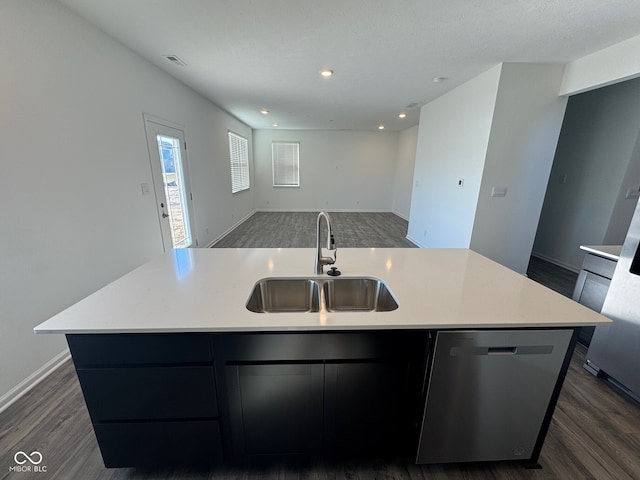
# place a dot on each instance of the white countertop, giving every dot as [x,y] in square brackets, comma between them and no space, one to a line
[205,290]
[612,252]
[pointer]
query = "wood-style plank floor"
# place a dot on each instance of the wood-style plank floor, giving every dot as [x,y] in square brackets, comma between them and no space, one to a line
[594,434]
[298,230]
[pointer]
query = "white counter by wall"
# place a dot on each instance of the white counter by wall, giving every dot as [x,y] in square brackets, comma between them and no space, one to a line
[612,252]
[205,290]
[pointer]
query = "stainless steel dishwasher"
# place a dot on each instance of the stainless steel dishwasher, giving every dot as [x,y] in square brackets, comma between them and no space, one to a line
[488,393]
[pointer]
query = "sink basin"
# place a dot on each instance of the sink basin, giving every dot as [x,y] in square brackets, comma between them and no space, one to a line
[346,294]
[358,295]
[275,295]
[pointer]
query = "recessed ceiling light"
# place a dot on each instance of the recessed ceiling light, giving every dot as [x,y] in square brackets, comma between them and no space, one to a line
[326,72]
[440,79]
[380,127]
[402,115]
[264,111]
[275,125]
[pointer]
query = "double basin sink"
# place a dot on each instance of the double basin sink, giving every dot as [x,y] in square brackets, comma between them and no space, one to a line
[345,294]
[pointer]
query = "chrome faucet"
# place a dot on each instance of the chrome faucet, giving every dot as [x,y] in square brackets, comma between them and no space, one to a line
[331,244]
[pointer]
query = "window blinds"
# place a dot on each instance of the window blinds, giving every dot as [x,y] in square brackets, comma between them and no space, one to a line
[286,164]
[239,153]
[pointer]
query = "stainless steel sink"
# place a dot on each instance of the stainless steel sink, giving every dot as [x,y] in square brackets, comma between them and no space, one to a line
[275,295]
[346,294]
[358,295]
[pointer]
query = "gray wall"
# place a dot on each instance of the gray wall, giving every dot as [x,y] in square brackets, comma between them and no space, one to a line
[74,155]
[595,155]
[407,143]
[339,170]
[524,132]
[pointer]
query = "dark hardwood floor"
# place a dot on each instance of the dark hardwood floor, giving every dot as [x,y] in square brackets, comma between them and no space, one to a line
[298,230]
[552,276]
[594,434]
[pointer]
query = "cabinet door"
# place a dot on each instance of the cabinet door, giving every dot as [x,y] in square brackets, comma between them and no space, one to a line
[368,408]
[594,291]
[275,409]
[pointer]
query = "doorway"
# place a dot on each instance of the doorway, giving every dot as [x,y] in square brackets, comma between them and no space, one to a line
[168,157]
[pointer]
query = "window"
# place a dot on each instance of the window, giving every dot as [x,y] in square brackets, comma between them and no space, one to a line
[239,154]
[286,167]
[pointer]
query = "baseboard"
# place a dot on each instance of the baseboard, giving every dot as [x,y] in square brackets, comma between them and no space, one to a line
[406,219]
[415,242]
[32,380]
[308,210]
[231,229]
[559,263]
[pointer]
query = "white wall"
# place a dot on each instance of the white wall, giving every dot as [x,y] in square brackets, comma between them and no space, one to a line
[497,130]
[604,67]
[596,144]
[452,144]
[339,170]
[524,133]
[407,143]
[73,157]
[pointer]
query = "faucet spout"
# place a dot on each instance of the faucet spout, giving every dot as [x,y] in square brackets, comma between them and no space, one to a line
[331,244]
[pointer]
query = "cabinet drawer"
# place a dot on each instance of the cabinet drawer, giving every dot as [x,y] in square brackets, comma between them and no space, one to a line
[270,347]
[155,444]
[149,393]
[131,349]
[598,265]
[123,349]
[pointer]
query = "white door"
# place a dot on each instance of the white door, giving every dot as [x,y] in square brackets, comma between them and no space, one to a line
[168,155]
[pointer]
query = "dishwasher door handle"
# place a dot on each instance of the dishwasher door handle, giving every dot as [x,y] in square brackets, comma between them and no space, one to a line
[474,351]
[502,350]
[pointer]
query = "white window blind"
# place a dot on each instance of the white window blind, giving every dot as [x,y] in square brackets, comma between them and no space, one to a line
[286,164]
[239,153]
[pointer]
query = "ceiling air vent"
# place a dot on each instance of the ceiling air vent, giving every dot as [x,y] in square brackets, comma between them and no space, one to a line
[175,60]
[411,105]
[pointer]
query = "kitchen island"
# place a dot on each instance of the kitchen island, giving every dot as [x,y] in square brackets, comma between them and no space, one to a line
[175,369]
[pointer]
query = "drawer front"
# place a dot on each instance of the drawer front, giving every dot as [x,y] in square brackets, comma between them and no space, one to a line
[143,348]
[154,444]
[115,394]
[598,265]
[266,347]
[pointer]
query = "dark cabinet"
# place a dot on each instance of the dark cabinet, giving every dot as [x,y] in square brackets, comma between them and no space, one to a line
[143,393]
[592,287]
[153,444]
[151,397]
[367,407]
[276,409]
[329,393]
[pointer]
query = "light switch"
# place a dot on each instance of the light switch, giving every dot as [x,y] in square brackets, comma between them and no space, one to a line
[499,191]
[145,188]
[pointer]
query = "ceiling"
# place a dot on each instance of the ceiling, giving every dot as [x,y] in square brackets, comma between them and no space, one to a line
[245,55]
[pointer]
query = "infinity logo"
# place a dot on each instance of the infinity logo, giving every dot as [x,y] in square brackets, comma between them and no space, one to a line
[35,458]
